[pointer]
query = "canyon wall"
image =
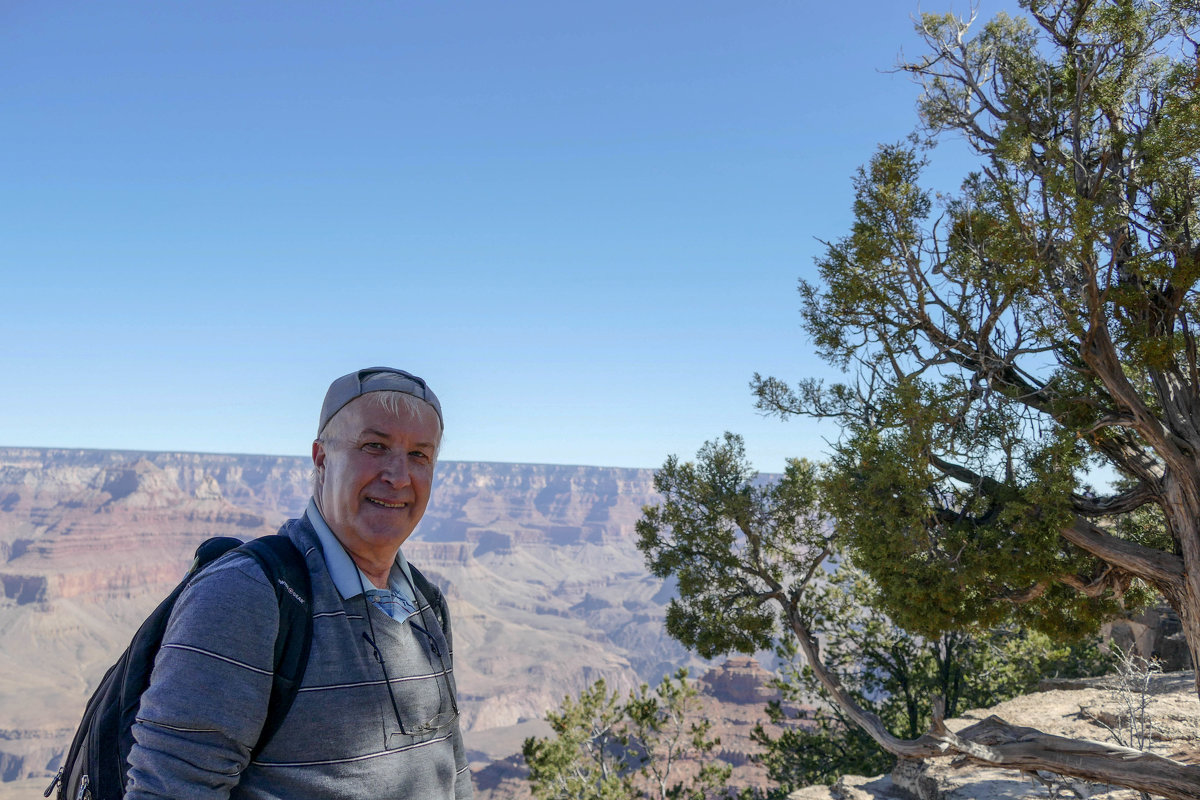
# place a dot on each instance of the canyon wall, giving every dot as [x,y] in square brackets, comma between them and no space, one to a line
[546,585]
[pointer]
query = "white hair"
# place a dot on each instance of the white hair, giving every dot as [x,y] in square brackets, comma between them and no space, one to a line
[398,404]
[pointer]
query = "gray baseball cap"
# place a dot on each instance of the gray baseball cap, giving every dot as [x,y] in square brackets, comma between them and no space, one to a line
[375,379]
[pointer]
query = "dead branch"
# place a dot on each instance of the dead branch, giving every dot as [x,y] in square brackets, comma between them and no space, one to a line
[997,743]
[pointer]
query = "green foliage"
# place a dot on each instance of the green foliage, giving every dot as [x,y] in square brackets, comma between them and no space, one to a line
[743,547]
[605,750]
[733,543]
[947,553]
[584,759]
[1007,341]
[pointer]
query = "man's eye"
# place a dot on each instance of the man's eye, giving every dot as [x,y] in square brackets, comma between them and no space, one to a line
[375,447]
[419,455]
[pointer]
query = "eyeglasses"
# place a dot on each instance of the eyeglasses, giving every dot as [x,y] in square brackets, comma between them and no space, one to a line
[439,720]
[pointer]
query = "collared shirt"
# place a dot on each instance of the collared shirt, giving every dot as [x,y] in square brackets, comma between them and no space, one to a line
[397,601]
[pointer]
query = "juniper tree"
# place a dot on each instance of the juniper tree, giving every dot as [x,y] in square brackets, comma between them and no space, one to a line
[1021,418]
[1038,327]
[749,558]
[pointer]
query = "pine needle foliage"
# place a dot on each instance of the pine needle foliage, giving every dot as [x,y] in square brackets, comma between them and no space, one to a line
[1020,420]
[603,749]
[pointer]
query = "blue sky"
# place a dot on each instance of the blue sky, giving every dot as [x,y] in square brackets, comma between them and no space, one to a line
[582,222]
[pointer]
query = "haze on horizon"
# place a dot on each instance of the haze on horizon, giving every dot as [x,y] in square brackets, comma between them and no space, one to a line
[582,223]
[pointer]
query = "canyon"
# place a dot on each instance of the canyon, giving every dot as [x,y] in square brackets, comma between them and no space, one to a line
[539,563]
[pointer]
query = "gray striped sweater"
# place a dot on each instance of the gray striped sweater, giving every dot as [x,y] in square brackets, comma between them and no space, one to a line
[207,700]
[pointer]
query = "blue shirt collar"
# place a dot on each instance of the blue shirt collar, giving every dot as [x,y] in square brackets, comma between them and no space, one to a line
[345,573]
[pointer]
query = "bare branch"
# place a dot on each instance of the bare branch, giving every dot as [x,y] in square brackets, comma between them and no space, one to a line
[1116,504]
[997,743]
[1028,595]
[1110,580]
[1164,570]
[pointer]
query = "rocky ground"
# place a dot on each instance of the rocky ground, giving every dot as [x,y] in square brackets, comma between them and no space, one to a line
[1091,709]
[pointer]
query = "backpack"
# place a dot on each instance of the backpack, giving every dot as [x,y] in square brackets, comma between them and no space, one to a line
[96,765]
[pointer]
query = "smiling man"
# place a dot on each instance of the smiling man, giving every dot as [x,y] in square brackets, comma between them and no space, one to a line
[376,714]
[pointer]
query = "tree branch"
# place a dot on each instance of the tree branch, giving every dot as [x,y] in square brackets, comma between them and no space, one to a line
[1164,570]
[964,474]
[1115,504]
[1110,579]
[997,743]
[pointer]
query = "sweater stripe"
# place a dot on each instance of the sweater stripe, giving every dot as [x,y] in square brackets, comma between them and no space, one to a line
[217,656]
[354,758]
[376,682]
[145,721]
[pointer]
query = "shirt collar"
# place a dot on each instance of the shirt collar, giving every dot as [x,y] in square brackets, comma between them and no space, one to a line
[342,569]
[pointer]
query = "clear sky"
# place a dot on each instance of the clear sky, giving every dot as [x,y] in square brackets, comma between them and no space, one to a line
[582,222]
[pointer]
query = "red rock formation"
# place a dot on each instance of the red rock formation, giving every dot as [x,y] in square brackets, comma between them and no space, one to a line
[90,540]
[740,680]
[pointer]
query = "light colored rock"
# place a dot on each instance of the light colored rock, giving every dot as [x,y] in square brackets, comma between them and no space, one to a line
[853,787]
[1172,704]
[1153,632]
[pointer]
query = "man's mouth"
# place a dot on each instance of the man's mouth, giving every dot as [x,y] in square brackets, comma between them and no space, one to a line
[386,505]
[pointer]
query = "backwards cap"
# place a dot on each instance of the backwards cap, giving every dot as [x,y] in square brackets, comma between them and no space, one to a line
[375,379]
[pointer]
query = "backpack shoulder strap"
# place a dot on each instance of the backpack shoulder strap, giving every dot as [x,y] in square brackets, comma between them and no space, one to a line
[284,567]
[432,594]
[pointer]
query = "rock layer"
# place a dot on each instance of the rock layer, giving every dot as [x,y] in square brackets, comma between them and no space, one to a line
[546,585]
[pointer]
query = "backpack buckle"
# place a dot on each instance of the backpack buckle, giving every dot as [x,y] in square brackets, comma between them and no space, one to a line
[57,777]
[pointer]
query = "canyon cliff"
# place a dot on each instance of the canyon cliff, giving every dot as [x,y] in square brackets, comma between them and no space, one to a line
[540,567]
[539,562]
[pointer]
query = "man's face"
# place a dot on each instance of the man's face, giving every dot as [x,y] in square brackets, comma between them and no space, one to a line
[374,475]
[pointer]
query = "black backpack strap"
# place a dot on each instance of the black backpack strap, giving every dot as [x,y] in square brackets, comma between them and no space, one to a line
[284,567]
[433,595]
[209,551]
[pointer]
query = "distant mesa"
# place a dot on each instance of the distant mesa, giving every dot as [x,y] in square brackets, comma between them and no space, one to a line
[540,563]
[742,681]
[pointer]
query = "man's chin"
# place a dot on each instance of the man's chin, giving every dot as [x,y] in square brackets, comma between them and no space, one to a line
[393,535]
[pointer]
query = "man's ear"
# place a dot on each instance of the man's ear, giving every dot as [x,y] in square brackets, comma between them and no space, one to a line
[318,454]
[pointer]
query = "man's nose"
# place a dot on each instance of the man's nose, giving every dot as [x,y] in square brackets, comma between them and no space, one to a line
[395,470]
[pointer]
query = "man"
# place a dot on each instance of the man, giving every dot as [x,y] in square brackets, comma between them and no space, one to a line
[376,715]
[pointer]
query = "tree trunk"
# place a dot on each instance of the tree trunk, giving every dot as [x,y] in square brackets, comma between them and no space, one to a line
[1182,512]
[997,743]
